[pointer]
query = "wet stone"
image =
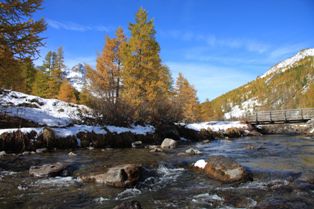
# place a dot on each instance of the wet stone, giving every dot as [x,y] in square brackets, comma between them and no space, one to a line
[47,170]
[168,144]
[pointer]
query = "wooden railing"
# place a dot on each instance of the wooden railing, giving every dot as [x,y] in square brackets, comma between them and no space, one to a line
[281,116]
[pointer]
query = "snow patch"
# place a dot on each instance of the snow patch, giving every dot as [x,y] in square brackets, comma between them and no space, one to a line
[76,76]
[200,164]
[288,63]
[49,112]
[140,130]
[239,111]
[216,125]
[73,130]
[24,130]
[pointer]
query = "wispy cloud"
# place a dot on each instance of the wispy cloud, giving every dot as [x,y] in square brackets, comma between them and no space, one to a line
[214,41]
[71,26]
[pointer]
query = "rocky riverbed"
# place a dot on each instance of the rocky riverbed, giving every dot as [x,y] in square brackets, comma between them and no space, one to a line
[280,170]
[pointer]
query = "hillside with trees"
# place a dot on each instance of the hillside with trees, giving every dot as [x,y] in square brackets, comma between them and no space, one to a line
[282,87]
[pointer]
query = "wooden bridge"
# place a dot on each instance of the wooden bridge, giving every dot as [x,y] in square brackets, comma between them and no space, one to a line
[281,116]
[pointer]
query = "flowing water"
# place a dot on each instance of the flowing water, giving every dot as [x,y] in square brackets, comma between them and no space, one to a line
[277,164]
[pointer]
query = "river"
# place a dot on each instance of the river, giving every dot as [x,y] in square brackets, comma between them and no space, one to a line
[276,163]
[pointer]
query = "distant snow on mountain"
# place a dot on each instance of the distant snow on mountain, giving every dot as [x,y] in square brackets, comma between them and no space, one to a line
[245,100]
[76,76]
[239,111]
[288,63]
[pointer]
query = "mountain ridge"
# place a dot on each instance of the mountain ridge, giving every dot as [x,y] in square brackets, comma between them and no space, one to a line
[287,63]
[76,76]
[288,84]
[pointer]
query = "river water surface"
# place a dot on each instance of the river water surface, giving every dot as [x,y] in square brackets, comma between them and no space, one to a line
[277,165]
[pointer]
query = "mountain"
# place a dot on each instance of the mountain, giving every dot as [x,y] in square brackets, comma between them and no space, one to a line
[288,63]
[288,84]
[76,76]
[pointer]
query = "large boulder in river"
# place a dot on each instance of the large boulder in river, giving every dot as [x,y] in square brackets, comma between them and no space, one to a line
[129,205]
[47,170]
[119,176]
[168,144]
[224,169]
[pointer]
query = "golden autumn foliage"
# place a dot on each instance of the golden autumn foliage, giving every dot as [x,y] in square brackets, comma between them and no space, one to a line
[146,82]
[186,100]
[67,92]
[105,81]
[19,42]
[130,83]
[287,90]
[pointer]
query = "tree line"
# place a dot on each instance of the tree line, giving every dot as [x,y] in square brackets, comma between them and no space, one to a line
[129,84]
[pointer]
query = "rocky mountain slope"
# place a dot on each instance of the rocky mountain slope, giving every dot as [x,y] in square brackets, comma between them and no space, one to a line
[288,84]
[76,76]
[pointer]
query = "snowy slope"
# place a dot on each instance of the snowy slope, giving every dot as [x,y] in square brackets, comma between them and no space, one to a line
[288,63]
[76,76]
[50,112]
[238,111]
[65,118]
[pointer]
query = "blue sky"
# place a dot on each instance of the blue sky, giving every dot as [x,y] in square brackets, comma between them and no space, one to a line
[217,45]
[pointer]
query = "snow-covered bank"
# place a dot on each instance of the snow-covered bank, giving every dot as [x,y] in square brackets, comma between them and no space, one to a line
[45,112]
[74,130]
[217,129]
[217,126]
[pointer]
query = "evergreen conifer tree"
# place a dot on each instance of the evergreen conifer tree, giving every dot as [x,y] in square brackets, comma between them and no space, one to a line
[40,85]
[19,39]
[145,80]
[186,99]
[67,92]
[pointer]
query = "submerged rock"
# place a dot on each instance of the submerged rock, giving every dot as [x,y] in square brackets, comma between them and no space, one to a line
[129,205]
[2,153]
[168,144]
[119,176]
[224,169]
[205,141]
[137,144]
[71,154]
[47,170]
[156,150]
[193,151]
[41,150]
